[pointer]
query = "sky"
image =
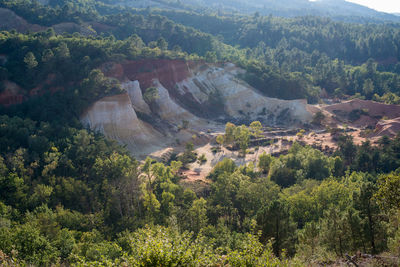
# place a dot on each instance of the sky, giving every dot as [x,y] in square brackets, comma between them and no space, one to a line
[389,6]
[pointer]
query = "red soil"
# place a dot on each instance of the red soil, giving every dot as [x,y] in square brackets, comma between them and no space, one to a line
[14,94]
[193,176]
[168,72]
[387,127]
[38,90]
[373,108]
[11,95]
[114,70]
[375,111]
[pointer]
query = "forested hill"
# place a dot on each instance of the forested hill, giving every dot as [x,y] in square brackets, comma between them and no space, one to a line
[340,10]
[342,58]
[71,197]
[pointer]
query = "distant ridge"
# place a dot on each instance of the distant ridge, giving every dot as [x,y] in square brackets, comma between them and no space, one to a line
[335,9]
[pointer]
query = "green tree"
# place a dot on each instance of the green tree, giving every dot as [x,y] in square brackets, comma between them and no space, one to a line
[309,240]
[229,133]
[242,137]
[198,215]
[336,230]
[368,87]
[151,95]
[282,175]
[65,243]
[256,129]
[318,118]
[150,200]
[62,51]
[47,56]
[32,246]
[30,60]
[388,195]
[369,213]
[220,140]
[264,162]
[96,85]
[226,165]
[211,56]
[162,44]
[275,222]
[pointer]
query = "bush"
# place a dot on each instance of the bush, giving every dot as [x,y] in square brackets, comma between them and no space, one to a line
[161,246]
[202,159]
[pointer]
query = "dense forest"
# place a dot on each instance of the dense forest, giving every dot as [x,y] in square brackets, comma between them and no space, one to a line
[69,196]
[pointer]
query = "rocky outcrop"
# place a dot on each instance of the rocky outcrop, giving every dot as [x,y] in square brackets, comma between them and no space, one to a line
[193,98]
[210,91]
[241,102]
[168,72]
[362,113]
[170,111]
[115,117]
[135,94]
[389,128]
[371,107]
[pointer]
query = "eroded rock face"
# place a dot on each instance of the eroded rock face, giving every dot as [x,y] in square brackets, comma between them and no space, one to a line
[115,117]
[136,97]
[168,72]
[387,127]
[210,91]
[362,113]
[170,111]
[241,102]
[193,98]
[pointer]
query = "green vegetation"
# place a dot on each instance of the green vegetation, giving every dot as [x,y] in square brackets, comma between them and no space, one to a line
[239,136]
[284,58]
[150,95]
[318,118]
[71,197]
[188,156]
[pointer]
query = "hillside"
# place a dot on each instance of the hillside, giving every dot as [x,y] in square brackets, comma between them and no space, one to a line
[339,9]
[196,134]
[201,96]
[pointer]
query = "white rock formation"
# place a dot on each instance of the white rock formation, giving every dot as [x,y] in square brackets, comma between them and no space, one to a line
[240,99]
[170,111]
[115,117]
[135,94]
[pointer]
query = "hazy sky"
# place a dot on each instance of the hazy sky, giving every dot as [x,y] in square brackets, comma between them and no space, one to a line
[390,6]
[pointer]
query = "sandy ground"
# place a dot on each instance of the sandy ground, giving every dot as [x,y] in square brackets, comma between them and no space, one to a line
[199,172]
[361,130]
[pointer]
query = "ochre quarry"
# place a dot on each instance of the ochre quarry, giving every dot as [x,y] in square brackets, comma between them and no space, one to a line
[194,98]
[115,117]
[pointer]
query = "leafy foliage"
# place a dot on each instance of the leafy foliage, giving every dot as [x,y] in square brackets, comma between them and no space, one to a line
[72,197]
